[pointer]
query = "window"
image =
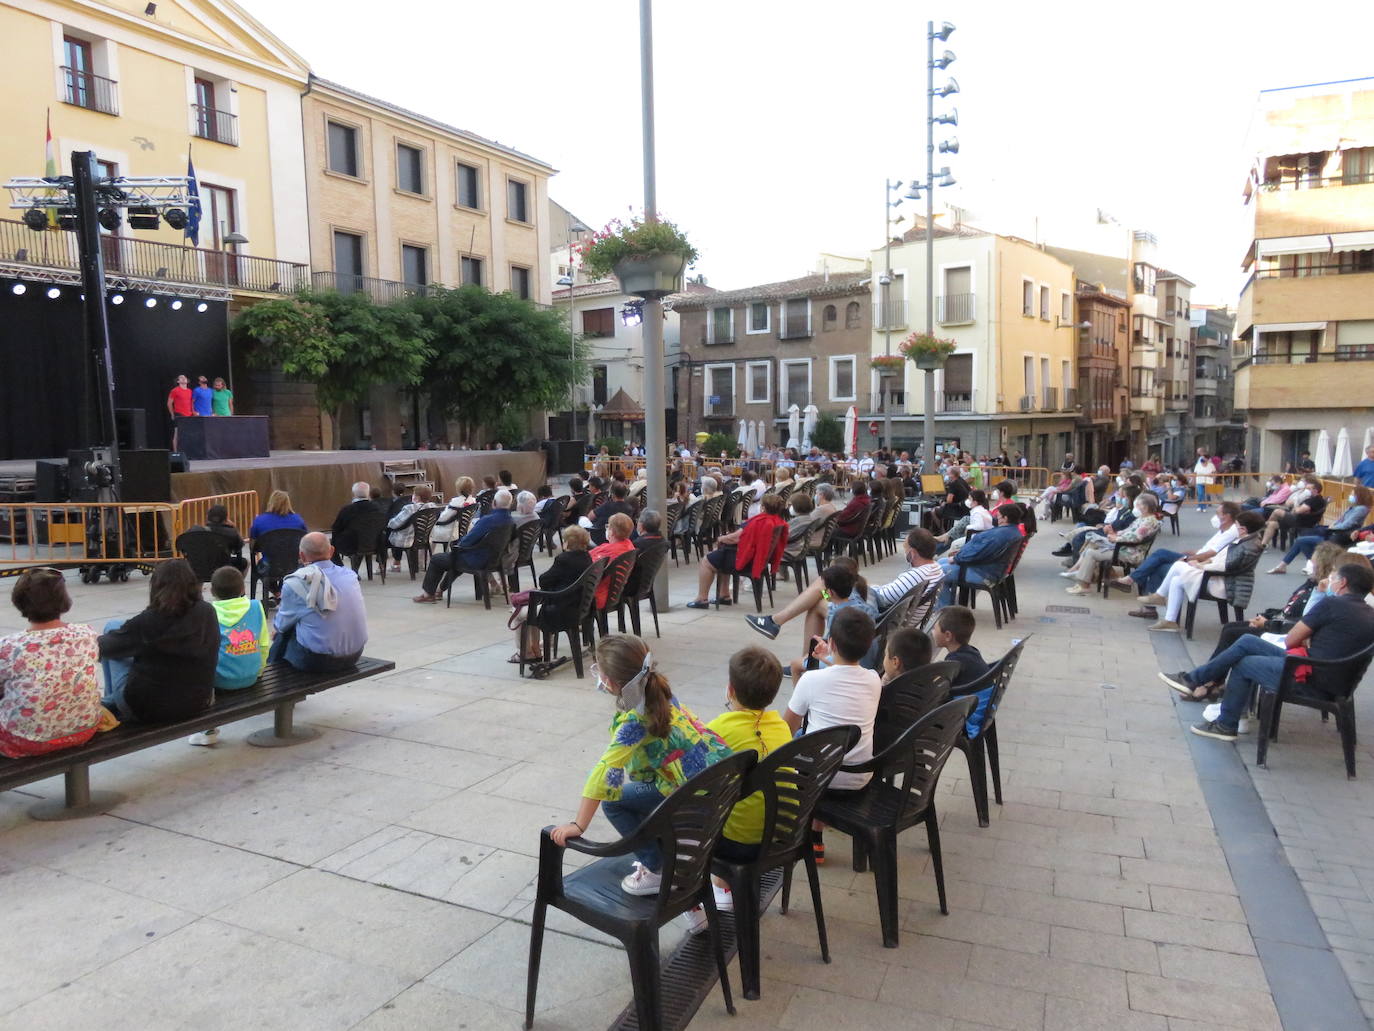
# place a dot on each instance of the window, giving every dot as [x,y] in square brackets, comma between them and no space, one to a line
[343,150]
[958,383]
[796,319]
[759,313]
[219,208]
[1028,298]
[1297,171]
[598,322]
[842,378]
[722,326]
[520,281]
[469,186]
[410,169]
[1357,165]
[414,264]
[1029,370]
[1045,373]
[719,398]
[348,261]
[1045,303]
[517,200]
[1356,261]
[1066,377]
[1144,279]
[472,271]
[598,384]
[758,381]
[829,316]
[1066,307]
[796,384]
[852,315]
[956,303]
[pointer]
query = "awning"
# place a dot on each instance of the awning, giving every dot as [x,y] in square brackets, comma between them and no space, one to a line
[1324,243]
[1289,327]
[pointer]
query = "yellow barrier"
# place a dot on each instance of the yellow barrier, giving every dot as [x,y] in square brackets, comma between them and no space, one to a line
[87,536]
[243,507]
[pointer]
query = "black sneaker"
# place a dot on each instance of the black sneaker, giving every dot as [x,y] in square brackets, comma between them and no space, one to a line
[764,625]
[1063,552]
[1211,728]
[1180,682]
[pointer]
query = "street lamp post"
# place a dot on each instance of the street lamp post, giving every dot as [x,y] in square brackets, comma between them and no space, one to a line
[570,281]
[885,281]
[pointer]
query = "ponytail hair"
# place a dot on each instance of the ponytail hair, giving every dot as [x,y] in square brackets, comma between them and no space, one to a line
[623,657]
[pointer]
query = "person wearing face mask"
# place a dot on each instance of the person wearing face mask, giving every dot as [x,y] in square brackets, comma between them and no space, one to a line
[1099,550]
[1276,493]
[975,519]
[1302,511]
[1236,560]
[656,746]
[1342,530]
[1150,577]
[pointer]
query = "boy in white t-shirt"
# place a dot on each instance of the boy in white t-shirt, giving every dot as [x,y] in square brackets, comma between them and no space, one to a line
[840,694]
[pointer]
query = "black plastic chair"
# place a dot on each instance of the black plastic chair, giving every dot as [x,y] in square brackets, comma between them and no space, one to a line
[462,522]
[981,749]
[369,528]
[790,781]
[688,534]
[422,522]
[686,826]
[922,611]
[908,697]
[852,545]
[551,522]
[713,509]
[900,795]
[616,576]
[1190,612]
[640,586]
[764,579]
[1338,680]
[495,545]
[578,618]
[280,551]
[967,591]
[1104,573]
[869,549]
[817,540]
[893,618]
[520,552]
[205,551]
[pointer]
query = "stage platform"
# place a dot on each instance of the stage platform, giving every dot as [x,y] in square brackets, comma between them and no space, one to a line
[320,482]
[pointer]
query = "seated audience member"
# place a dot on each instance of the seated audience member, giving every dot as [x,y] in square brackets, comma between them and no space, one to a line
[842,588]
[854,516]
[825,500]
[1100,548]
[243,639]
[543,495]
[505,481]
[1277,491]
[279,515]
[321,626]
[160,665]
[976,519]
[754,488]
[656,746]
[402,524]
[342,533]
[710,487]
[1302,511]
[569,564]
[1119,514]
[953,631]
[746,550]
[799,526]
[217,522]
[618,502]
[1335,628]
[49,693]
[1184,580]
[650,528]
[576,488]
[840,693]
[907,649]
[1342,530]
[469,554]
[1149,576]
[446,524]
[987,556]
[618,530]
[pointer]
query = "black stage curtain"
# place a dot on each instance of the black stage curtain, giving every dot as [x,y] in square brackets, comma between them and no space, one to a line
[42,354]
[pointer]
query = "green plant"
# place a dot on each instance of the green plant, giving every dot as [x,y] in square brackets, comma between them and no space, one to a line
[617,240]
[613,445]
[888,362]
[713,445]
[828,433]
[924,345]
[511,427]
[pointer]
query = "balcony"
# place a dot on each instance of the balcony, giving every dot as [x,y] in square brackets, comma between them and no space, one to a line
[795,329]
[1332,205]
[141,264]
[1328,380]
[1070,399]
[1145,358]
[1205,386]
[718,405]
[91,91]
[955,309]
[380,290]
[217,126]
[1028,402]
[1325,296]
[891,315]
[1051,402]
[720,336]
[1097,347]
[955,402]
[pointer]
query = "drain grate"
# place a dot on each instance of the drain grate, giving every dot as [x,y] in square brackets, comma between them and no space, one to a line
[1072,610]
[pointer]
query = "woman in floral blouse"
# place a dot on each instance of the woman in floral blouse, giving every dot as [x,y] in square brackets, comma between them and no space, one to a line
[49,693]
[656,746]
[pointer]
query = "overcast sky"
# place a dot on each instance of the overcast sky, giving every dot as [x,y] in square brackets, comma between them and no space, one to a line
[778,121]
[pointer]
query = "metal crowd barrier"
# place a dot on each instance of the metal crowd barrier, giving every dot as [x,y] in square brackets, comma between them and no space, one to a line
[243,507]
[92,537]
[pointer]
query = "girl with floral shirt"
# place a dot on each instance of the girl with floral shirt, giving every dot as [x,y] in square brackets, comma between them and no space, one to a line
[657,744]
[49,693]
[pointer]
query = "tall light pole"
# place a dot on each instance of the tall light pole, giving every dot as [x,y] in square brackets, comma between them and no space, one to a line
[570,281]
[885,281]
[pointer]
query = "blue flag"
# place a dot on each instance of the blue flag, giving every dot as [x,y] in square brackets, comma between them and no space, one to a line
[192,202]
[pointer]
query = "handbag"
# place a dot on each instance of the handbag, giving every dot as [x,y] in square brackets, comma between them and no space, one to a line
[518,601]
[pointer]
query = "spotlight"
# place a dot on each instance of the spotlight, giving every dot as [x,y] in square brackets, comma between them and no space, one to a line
[109,219]
[151,302]
[176,306]
[947,88]
[202,307]
[944,62]
[67,220]
[946,30]
[946,179]
[175,217]
[117,299]
[54,293]
[19,288]
[143,218]
[36,219]
[632,314]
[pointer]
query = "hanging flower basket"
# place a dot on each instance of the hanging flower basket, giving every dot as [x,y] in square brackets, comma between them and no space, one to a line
[888,364]
[926,351]
[648,258]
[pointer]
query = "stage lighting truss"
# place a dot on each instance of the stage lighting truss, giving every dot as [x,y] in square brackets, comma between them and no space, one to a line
[169,194]
[114,283]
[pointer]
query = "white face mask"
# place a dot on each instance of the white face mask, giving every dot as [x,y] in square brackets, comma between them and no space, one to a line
[1216,522]
[968,502]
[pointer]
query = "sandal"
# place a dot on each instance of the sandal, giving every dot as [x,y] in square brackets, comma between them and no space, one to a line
[425,599]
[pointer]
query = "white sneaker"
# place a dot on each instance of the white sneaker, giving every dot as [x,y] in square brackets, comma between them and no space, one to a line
[725,899]
[1242,725]
[695,919]
[205,740]
[641,881]
[1211,712]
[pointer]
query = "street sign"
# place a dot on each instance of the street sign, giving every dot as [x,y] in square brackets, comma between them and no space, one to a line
[715,399]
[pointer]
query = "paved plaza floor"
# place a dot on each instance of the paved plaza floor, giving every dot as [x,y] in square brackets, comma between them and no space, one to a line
[379,876]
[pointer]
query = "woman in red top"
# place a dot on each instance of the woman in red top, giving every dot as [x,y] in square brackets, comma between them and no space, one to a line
[746,550]
[618,530]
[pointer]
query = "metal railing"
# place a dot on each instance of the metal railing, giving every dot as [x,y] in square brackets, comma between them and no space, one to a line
[1342,353]
[73,535]
[150,260]
[1326,268]
[1305,182]
[1051,399]
[1070,398]
[219,126]
[890,315]
[795,329]
[954,308]
[91,91]
[725,406]
[956,401]
[381,290]
[242,507]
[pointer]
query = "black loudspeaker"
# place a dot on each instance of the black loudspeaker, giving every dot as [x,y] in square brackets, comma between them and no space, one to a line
[50,481]
[131,428]
[180,463]
[145,475]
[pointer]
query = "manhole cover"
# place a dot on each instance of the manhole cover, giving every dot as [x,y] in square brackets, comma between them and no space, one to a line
[1072,610]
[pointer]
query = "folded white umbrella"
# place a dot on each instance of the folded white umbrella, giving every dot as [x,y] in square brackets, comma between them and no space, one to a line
[810,413]
[1341,466]
[851,431]
[1323,455]
[793,426]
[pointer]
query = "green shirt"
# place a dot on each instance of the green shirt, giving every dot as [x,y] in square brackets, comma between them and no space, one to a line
[221,402]
[666,762]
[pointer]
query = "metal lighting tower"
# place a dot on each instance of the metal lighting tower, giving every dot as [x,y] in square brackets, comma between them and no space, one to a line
[655,406]
[885,281]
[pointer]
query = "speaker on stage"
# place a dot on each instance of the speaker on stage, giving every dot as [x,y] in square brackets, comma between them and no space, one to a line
[180,463]
[50,481]
[131,428]
[145,475]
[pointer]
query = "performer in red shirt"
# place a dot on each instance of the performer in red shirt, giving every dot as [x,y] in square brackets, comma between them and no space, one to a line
[179,403]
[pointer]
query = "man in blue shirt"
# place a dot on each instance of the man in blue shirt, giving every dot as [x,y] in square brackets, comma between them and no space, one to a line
[986,555]
[1364,472]
[321,626]
[203,398]
[470,553]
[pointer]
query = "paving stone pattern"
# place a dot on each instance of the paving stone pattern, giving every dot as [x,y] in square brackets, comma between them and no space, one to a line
[380,876]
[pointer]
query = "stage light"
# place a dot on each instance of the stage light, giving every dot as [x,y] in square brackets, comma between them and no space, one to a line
[176,306]
[151,302]
[143,218]
[109,219]
[175,217]
[202,307]
[117,299]
[54,293]
[36,219]
[19,288]
[67,221]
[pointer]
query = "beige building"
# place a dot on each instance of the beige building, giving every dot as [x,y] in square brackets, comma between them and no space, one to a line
[399,202]
[1304,339]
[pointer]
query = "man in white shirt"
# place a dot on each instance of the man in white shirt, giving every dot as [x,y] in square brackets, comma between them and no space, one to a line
[754,488]
[866,463]
[1152,577]
[1202,477]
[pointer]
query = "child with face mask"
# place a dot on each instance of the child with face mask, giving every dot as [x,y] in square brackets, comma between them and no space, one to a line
[657,744]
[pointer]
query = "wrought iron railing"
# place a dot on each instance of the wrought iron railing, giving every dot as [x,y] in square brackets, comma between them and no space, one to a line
[889,315]
[91,91]
[955,308]
[795,329]
[219,126]
[1051,399]
[382,290]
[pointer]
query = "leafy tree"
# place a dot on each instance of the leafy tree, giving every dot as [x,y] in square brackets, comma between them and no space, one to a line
[828,433]
[345,344]
[718,442]
[494,353]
